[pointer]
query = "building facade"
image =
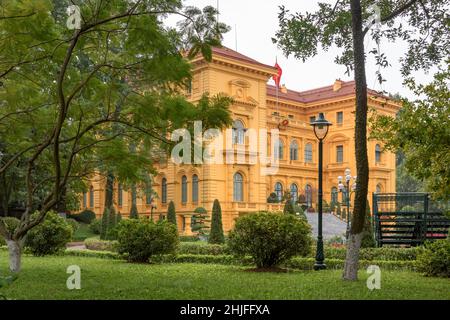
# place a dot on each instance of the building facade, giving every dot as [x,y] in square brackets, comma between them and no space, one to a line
[240,186]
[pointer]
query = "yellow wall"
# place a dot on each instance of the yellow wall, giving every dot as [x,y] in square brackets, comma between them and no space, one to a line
[247,83]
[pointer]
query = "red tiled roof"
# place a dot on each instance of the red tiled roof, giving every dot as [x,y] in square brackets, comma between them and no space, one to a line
[323,93]
[229,53]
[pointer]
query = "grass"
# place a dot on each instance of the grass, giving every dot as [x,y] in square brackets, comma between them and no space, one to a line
[45,278]
[82,233]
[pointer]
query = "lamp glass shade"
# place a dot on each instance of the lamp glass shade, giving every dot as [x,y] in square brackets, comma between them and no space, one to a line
[321,131]
[321,126]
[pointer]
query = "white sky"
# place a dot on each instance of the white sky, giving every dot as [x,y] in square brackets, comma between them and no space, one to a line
[257,22]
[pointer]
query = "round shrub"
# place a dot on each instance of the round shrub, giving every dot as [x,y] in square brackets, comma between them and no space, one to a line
[85,216]
[140,239]
[73,223]
[50,236]
[434,258]
[11,224]
[270,238]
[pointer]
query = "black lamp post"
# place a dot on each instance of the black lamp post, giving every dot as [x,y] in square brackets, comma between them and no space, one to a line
[348,192]
[321,127]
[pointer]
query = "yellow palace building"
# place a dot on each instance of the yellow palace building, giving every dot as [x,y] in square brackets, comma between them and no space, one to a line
[240,187]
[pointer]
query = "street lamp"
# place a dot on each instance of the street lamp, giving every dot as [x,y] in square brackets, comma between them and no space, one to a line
[346,188]
[320,127]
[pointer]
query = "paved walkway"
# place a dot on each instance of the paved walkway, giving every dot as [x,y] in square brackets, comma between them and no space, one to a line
[331,225]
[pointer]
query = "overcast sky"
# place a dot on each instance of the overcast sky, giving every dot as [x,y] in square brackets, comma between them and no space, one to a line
[256,22]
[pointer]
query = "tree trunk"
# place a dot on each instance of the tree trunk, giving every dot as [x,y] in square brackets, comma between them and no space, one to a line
[352,257]
[109,190]
[15,255]
[362,164]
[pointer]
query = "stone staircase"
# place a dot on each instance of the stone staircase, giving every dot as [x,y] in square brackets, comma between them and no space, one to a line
[331,225]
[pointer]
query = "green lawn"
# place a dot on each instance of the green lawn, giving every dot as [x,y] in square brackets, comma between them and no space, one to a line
[82,233]
[45,278]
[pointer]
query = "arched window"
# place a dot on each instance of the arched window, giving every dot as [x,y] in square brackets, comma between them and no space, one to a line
[184,189]
[334,195]
[148,193]
[120,195]
[194,188]
[308,153]
[84,199]
[238,187]
[377,153]
[378,188]
[164,190]
[91,197]
[279,191]
[238,132]
[308,194]
[294,150]
[279,149]
[294,192]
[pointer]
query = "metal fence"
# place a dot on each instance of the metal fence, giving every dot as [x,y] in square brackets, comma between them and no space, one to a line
[409,218]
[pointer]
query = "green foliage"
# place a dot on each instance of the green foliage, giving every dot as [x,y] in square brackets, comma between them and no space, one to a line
[76,111]
[273,198]
[134,212]
[85,216]
[73,223]
[270,238]
[171,213]
[202,248]
[421,132]
[100,245]
[104,224]
[111,232]
[216,234]
[200,222]
[49,237]
[288,207]
[434,259]
[189,239]
[11,225]
[140,239]
[96,226]
[368,240]
[405,181]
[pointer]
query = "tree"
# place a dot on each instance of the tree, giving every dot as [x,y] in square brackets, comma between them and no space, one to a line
[200,221]
[421,132]
[368,240]
[64,90]
[112,222]
[421,24]
[216,234]
[134,212]
[171,213]
[104,223]
[288,207]
[405,181]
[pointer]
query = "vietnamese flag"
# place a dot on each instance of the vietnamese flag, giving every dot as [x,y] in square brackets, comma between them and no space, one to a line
[277,77]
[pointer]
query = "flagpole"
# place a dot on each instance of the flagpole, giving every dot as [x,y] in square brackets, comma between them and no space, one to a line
[277,85]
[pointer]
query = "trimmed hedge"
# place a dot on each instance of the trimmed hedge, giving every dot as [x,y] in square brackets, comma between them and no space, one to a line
[296,263]
[92,254]
[100,245]
[202,248]
[189,238]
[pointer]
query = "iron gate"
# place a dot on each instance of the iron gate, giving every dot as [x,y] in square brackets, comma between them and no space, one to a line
[408,218]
